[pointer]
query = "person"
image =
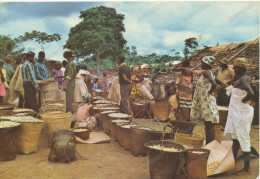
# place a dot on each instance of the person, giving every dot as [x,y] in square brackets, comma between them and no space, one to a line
[8,67]
[69,77]
[29,82]
[145,73]
[40,68]
[57,73]
[240,113]
[185,88]
[95,86]
[21,97]
[80,86]
[85,116]
[2,80]
[225,74]
[134,91]
[155,84]
[204,106]
[64,66]
[173,100]
[125,85]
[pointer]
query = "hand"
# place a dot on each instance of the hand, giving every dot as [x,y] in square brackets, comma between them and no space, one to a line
[133,83]
[38,89]
[64,87]
[251,103]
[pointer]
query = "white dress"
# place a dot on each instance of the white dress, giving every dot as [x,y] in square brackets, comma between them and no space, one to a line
[239,119]
[80,86]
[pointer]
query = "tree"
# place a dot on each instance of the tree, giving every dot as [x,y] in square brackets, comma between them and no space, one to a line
[190,43]
[40,38]
[99,35]
[8,45]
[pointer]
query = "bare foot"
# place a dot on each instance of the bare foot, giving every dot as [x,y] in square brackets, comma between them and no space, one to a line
[242,172]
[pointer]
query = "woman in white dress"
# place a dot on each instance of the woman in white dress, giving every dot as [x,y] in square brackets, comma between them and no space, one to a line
[240,113]
[80,86]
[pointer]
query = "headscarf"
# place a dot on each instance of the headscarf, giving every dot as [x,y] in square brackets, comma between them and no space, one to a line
[209,60]
[240,62]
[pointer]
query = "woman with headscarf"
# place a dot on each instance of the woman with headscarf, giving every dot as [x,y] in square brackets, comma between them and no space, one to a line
[204,106]
[240,113]
[80,86]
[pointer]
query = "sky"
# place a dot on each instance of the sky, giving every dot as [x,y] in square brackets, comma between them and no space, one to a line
[153,27]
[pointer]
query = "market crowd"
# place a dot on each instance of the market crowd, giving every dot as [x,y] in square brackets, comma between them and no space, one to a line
[225,86]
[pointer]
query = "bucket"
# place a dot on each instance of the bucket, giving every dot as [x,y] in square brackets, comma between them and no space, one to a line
[82,133]
[120,132]
[139,109]
[28,134]
[115,116]
[126,132]
[196,163]
[55,122]
[6,109]
[110,108]
[30,112]
[183,127]
[8,142]
[161,110]
[114,127]
[139,136]
[104,117]
[163,164]
[196,142]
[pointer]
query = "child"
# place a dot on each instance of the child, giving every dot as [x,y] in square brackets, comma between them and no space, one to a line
[2,81]
[173,102]
[57,73]
[95,85]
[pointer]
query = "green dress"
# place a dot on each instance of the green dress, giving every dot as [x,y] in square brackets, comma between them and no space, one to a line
[204,106]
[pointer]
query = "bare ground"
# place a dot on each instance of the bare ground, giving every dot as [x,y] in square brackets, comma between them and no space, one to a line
[107,160]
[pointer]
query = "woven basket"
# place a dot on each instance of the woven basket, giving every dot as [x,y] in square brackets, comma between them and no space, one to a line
[30,112]
[161,110]
[28,137]
[55,122]
[139,109]
[196,142]
[6,109]
[8,143]
[184,127]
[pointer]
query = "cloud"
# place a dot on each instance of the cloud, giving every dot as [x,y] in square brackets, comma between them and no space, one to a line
[153,27]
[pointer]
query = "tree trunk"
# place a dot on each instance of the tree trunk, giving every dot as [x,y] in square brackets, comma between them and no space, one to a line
[97,58]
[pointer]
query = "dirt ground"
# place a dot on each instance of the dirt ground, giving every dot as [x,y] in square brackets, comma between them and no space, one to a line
[108,160]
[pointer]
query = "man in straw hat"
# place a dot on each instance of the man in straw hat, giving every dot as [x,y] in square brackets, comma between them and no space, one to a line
[69,76]
[240,113]
[225,74]
[204,106]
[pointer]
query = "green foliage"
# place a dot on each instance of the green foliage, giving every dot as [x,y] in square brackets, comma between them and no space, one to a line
[41,38]
[98,35]
[8,45]
[190,43]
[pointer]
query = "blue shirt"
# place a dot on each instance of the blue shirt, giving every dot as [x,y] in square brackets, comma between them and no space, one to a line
[29,73]
[41,71]
[95,87]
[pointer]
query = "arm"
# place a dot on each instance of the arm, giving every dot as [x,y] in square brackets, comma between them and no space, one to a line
[248,88]
[91,111]
[31,71]
[126,79]
[208,75]
[182,69]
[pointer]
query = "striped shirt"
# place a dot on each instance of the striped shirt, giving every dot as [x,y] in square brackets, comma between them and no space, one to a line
[41,71]
[29,73]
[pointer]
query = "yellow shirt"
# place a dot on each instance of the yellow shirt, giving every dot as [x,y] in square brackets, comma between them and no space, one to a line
[4,73]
